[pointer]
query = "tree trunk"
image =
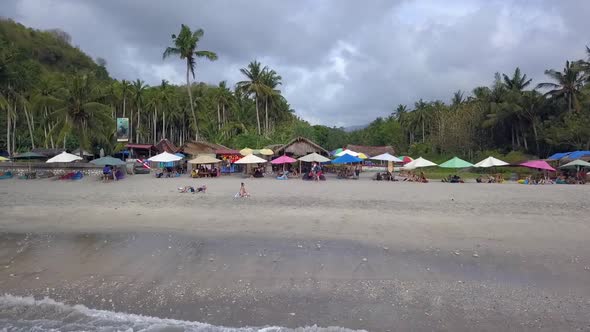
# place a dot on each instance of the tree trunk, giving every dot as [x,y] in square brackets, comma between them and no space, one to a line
[257,113]
[569,103]
[266,116]
[218,118]
[155,123]
[138,124]
[8,123]
[124,102]
[423,132]
[28,118]
[163,124]
[190,98]
[536,138]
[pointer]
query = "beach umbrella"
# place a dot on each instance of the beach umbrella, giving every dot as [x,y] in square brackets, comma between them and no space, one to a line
[346,159]
[406,159]
[179,154]
[4,159]
[204,159]
[538,164]
[419,163]
[265,152]
[337,151]
[84,153]
[108,160]
[362,155]
[29,155]
[250,159]
[314,157]
[456,162]
[490,162]
[572,164]
[348,152]
[164,157]
[283,160]
[387,157]
[246,151]
[64,157]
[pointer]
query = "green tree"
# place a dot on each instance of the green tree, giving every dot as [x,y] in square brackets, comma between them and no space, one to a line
[254,85]
[567,84]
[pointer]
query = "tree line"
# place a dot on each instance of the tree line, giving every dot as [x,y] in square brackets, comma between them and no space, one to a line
[52,95]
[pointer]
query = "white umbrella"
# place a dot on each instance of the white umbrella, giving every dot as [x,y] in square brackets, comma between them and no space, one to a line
[387,157]
[490,162]
[204,159]
[314,158]
[164,157]
[64,157]
[418,163]
[349,152]
[251,159]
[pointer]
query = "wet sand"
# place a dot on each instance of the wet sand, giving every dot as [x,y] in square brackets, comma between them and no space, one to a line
[355,254]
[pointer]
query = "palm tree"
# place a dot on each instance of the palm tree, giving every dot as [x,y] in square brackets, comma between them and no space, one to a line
[568,84]
[138,90]
[422,115]
[80,114]
[271,80]
[223,97]
[125,88]
[185,46]
[517,82]
[254,85]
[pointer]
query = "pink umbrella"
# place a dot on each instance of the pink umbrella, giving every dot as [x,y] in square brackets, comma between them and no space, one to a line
[283,160]
[539,164]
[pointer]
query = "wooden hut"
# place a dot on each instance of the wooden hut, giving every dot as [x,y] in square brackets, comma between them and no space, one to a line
[201,147]
[371,151]
[300,147]
[166,146]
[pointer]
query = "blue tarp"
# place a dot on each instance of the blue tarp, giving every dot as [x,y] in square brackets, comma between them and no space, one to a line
[579,154]
[345,159]
[559,155]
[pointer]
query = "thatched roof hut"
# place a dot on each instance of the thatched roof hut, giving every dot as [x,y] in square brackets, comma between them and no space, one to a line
[201,147]
[299,147]
[371,151]
[166,146]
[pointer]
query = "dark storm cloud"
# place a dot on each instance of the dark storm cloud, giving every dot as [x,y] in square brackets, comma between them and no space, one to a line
[342,62]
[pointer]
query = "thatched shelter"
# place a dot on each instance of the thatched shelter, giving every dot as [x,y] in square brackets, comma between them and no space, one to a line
[166,146]
[300,147]
[201,147]
[371,151]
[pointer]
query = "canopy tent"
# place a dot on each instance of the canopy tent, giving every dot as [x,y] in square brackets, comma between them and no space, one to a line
[4,159]
[578,154]
[348,152]
[29,155]
[250,159]
[204,159]
[64,157]
[164,157]
[347,159]
[283,160]
[387,157]
[576,164]
[490,162]
[108,160]
[559,155]
[362,155]
[314,157]
[538,164]
[419,163]
[456,162]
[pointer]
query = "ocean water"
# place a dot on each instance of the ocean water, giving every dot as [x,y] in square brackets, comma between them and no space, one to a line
[27,314]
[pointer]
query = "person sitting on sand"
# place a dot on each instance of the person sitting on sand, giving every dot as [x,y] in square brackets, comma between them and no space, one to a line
[106,173]
[202,189]
[186,189]
[423,178]
[243,192]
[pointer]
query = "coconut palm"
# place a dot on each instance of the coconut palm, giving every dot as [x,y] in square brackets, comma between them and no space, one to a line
[254,85]
[185,46]
[271,80]
[138,91]
[567,84]
[517,82]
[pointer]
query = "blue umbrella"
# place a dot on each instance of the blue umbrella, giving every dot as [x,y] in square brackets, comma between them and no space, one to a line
[346,159]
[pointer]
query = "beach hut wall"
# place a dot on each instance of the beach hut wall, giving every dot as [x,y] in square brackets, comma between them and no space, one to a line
[301,146]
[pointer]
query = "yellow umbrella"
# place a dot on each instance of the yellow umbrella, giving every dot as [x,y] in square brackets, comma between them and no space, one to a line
[4,159]
[362,155]
[266,152]
[245,151]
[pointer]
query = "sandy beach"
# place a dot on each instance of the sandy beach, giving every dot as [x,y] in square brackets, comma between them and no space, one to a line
[353,254]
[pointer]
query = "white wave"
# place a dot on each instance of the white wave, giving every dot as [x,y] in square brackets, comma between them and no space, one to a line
[47,315]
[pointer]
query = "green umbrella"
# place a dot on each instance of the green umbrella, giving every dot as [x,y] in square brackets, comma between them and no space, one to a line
[29,155]
[576,164]
[456,163]
[108,160]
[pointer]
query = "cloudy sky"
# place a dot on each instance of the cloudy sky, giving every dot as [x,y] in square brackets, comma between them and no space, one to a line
[342,62]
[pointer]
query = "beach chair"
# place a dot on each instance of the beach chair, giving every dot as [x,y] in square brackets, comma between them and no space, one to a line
[285,176]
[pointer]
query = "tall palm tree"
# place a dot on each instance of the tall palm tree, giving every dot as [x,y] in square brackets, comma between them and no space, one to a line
[271,80]
[125,88]
[254,85]
[223,97]
[185,46]
[517,82]
[422,115]
[138,90]
[567,84]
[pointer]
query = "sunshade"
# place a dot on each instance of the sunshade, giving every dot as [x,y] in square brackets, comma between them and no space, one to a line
[29,155]
[4,159]
[349,152]
[419,163]
[559,155]
[64,157]
[204,159]
[456,162]
[246,151]
[386,157]
[490,162]
[250,159]
[337,151]
[539,164]
[314,157]
[84,152]
[362,155]
[346,158]
[164,157]
[573,164]
[578,154]
[108,160]
[406,159]
[283,160]
[265,152]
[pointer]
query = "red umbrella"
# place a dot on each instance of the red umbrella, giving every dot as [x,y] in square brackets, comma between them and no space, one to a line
[283,160]
[406,159]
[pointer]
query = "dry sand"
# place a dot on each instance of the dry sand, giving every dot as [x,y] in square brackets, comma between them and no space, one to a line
[357,254]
